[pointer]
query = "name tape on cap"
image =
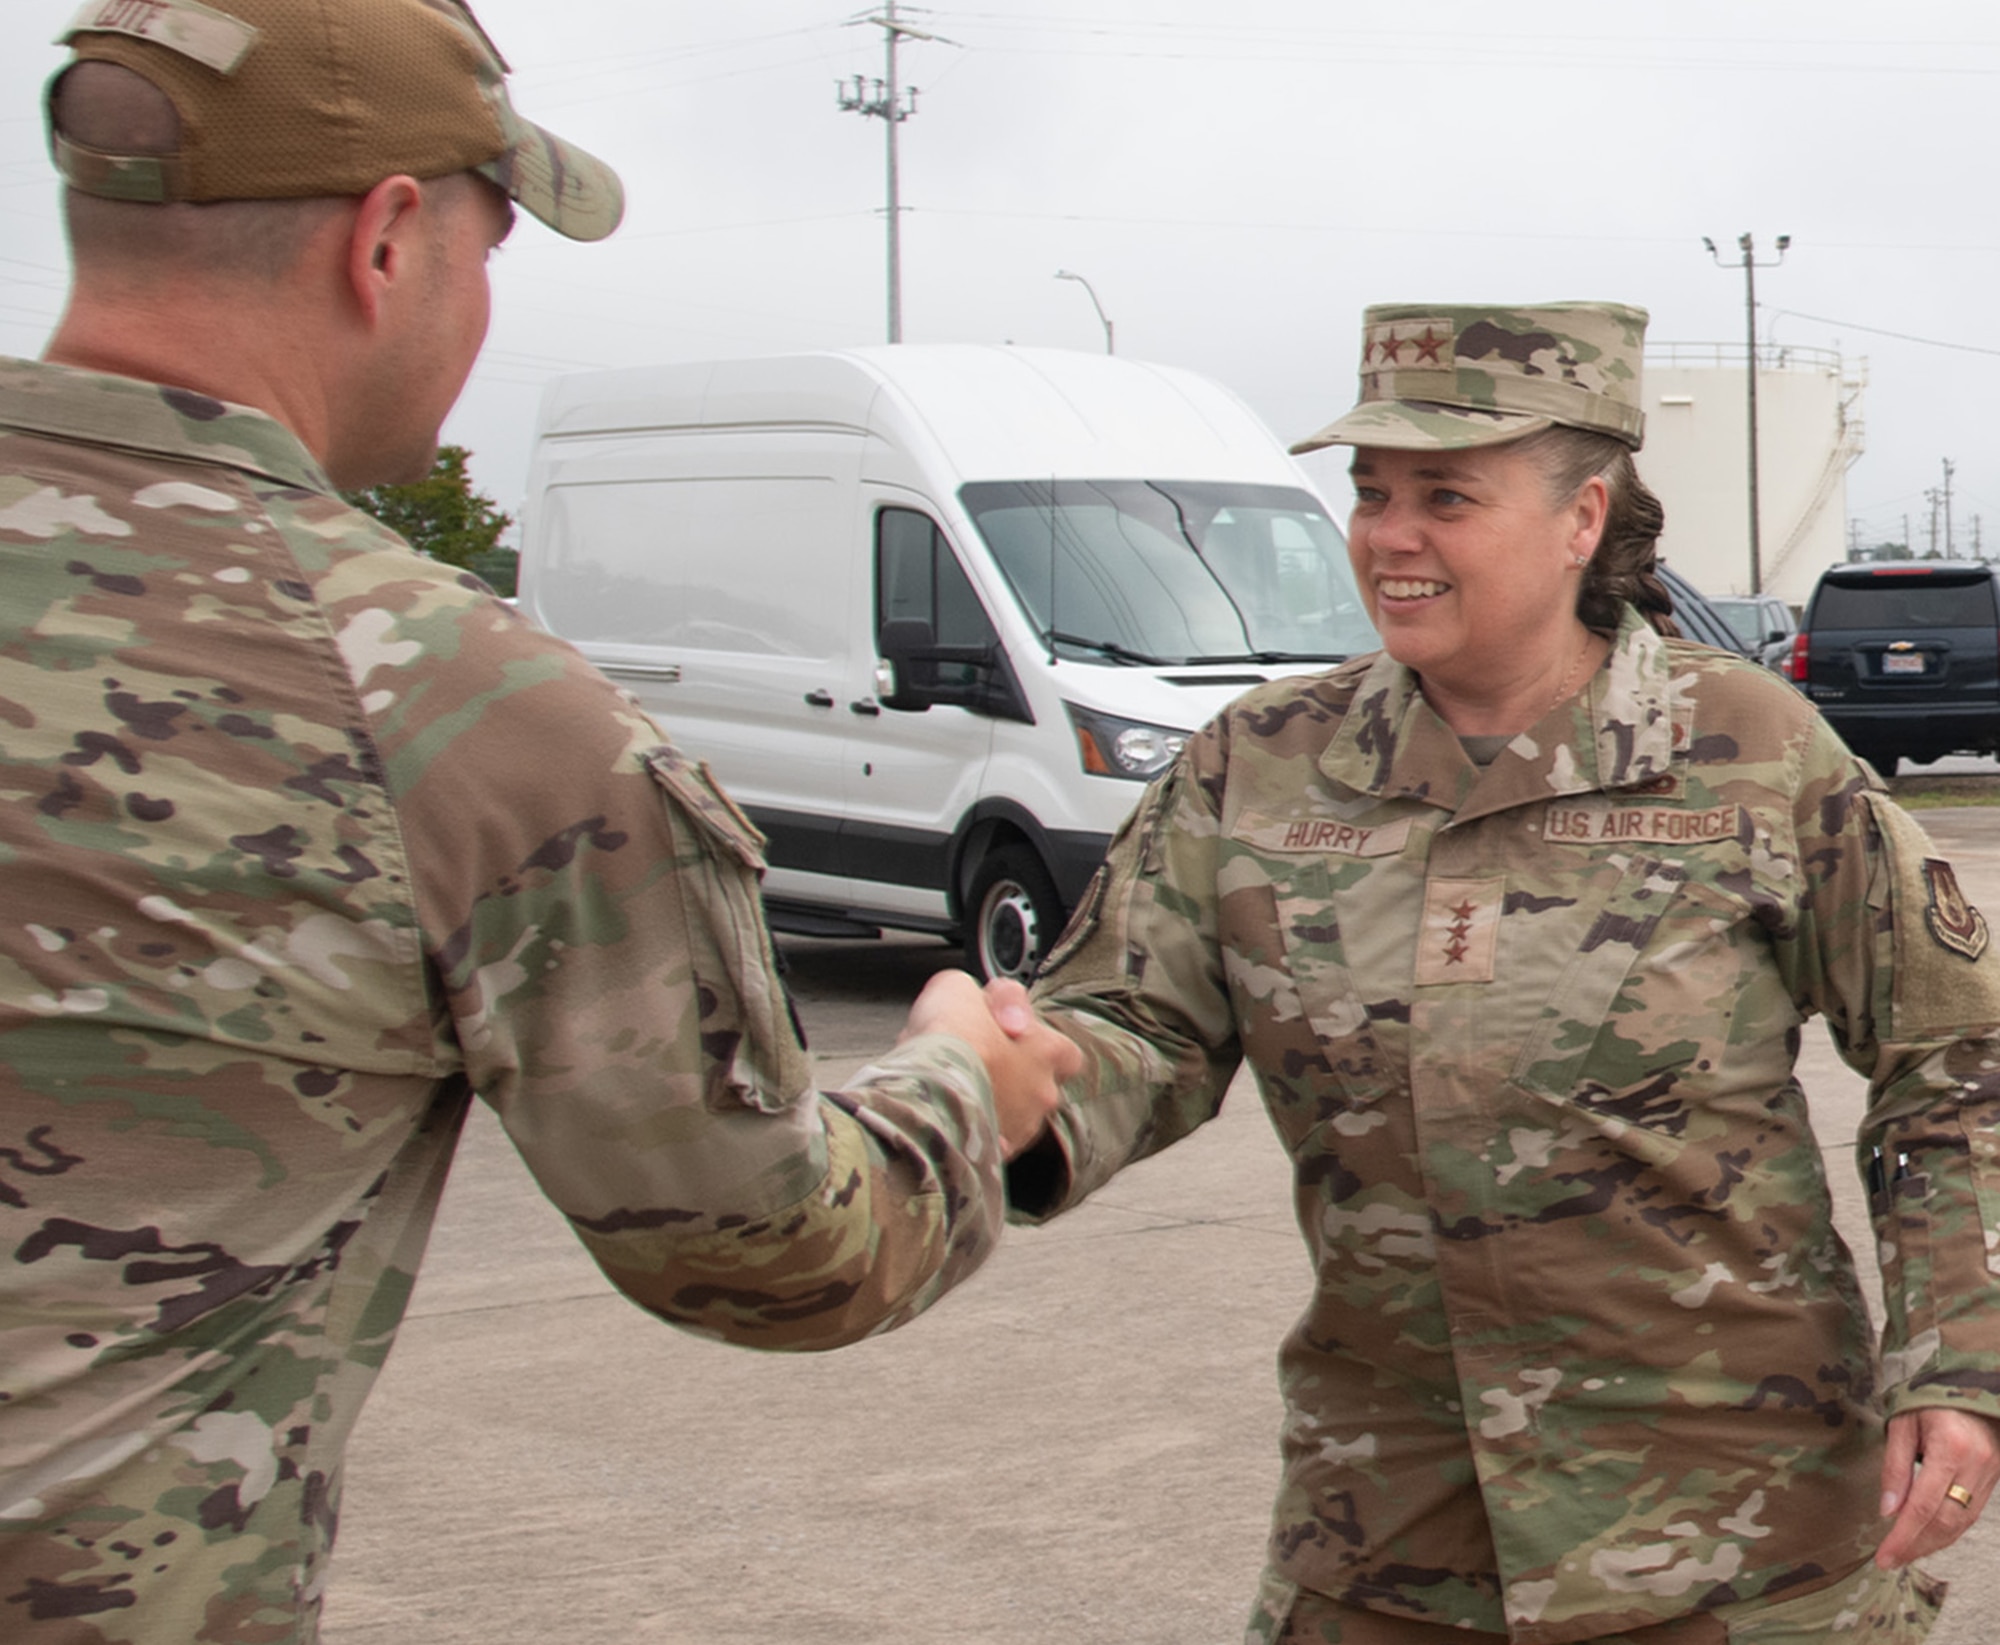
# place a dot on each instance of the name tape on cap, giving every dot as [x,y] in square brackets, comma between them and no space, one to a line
[212,38]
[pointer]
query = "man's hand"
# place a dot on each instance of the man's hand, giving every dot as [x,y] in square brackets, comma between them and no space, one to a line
[1026,1060]
[1960,1452]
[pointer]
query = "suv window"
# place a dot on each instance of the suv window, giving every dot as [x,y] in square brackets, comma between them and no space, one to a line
[1934,602]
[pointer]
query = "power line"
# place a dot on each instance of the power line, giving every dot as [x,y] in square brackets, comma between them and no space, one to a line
[1355,230]
[690,229]
[1877,331]
[592,68]
[1246,43]
[653,88]
[1537,43]
[1249,44]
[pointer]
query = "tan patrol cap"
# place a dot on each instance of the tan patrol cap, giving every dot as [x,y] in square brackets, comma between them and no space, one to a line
[287,99]
[1439,376]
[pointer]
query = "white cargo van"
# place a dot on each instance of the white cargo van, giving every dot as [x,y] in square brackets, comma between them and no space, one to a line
[931,613]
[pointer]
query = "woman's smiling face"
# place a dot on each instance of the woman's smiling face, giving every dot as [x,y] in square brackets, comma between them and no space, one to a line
[1466,566]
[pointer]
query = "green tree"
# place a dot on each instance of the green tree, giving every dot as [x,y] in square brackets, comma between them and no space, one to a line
[442,516]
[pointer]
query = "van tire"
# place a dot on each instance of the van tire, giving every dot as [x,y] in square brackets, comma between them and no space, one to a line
[1016,914]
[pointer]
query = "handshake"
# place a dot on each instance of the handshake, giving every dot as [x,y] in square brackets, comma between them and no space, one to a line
[1026,1060]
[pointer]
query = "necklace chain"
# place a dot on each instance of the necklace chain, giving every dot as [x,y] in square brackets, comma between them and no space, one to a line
[1569,679]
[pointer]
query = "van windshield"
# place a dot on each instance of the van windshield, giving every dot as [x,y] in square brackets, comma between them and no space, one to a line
[1123,572]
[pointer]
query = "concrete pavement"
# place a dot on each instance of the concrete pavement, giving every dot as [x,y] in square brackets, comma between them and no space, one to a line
[1078,1446]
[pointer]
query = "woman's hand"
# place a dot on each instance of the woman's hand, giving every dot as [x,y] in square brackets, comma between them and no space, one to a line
[1960,1452]
[1026,1060]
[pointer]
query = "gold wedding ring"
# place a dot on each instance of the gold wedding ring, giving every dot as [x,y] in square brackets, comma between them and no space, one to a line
[1959,1494]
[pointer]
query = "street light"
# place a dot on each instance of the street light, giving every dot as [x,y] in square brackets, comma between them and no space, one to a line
[1749,264]
[1064,274]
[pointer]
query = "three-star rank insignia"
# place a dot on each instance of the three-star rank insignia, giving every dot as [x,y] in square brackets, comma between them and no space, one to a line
[1460,935]
[1953,921]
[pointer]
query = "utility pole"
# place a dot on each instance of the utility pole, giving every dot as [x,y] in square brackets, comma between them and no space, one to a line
[1950,546]
[892,103]
[1749,264]
[1932,497]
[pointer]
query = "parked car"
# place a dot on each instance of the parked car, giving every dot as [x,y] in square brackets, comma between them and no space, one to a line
[1903,658]
[1696,617]
[1763,622]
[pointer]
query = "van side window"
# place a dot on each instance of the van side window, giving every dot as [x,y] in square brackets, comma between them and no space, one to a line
[917,575]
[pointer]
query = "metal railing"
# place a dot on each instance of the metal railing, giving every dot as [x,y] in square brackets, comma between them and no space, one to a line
[1770,356]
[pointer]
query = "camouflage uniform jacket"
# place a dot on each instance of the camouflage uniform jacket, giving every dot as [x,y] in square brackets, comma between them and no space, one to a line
[303,838]
[1584,1350]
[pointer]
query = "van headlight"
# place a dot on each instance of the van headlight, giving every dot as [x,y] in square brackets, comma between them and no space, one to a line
[1111,747]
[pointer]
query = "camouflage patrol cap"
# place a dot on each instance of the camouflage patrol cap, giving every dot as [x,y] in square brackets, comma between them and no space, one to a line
[279,99]
[1438,376]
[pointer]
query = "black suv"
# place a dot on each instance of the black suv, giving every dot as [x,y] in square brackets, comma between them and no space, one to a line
[1903,658]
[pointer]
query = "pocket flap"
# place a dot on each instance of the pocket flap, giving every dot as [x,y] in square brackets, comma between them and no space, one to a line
[694,787]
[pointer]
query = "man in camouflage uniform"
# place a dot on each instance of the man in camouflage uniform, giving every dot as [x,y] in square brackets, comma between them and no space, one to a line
[1585,1358]
[307,838]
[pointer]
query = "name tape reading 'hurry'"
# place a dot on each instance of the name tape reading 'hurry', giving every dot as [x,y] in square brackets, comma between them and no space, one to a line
[1322,836]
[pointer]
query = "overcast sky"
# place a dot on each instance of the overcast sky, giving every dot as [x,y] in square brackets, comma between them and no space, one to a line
[1236,182]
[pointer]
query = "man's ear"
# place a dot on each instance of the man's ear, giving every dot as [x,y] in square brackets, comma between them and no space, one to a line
[381,240]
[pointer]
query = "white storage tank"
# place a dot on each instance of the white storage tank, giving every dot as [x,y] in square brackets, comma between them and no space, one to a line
[1696,458]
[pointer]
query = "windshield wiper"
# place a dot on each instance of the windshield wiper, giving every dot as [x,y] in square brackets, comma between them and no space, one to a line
[1107,648]
[1276,657]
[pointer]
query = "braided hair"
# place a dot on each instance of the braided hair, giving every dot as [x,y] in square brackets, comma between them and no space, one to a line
[1625,567]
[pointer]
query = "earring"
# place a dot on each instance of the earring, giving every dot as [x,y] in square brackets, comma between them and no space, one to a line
[1579,560]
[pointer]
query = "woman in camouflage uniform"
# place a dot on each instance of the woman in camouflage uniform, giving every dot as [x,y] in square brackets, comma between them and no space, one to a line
[1517,922]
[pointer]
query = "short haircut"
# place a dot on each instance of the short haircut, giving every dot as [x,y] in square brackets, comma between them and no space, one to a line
[112,109]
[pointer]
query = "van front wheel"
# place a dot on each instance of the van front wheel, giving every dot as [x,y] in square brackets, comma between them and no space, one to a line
[1016,914]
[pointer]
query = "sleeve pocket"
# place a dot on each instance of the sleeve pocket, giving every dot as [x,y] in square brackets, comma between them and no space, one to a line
[747,1023]
[719,818]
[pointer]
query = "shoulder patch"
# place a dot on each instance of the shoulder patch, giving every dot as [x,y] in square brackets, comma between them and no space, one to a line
[1954,923]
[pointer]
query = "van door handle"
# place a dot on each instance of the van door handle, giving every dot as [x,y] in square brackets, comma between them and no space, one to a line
[666,673]
[867,705]
[820,699]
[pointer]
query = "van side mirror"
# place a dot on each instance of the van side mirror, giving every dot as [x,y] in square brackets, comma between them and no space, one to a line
[903,640]
[914,673]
